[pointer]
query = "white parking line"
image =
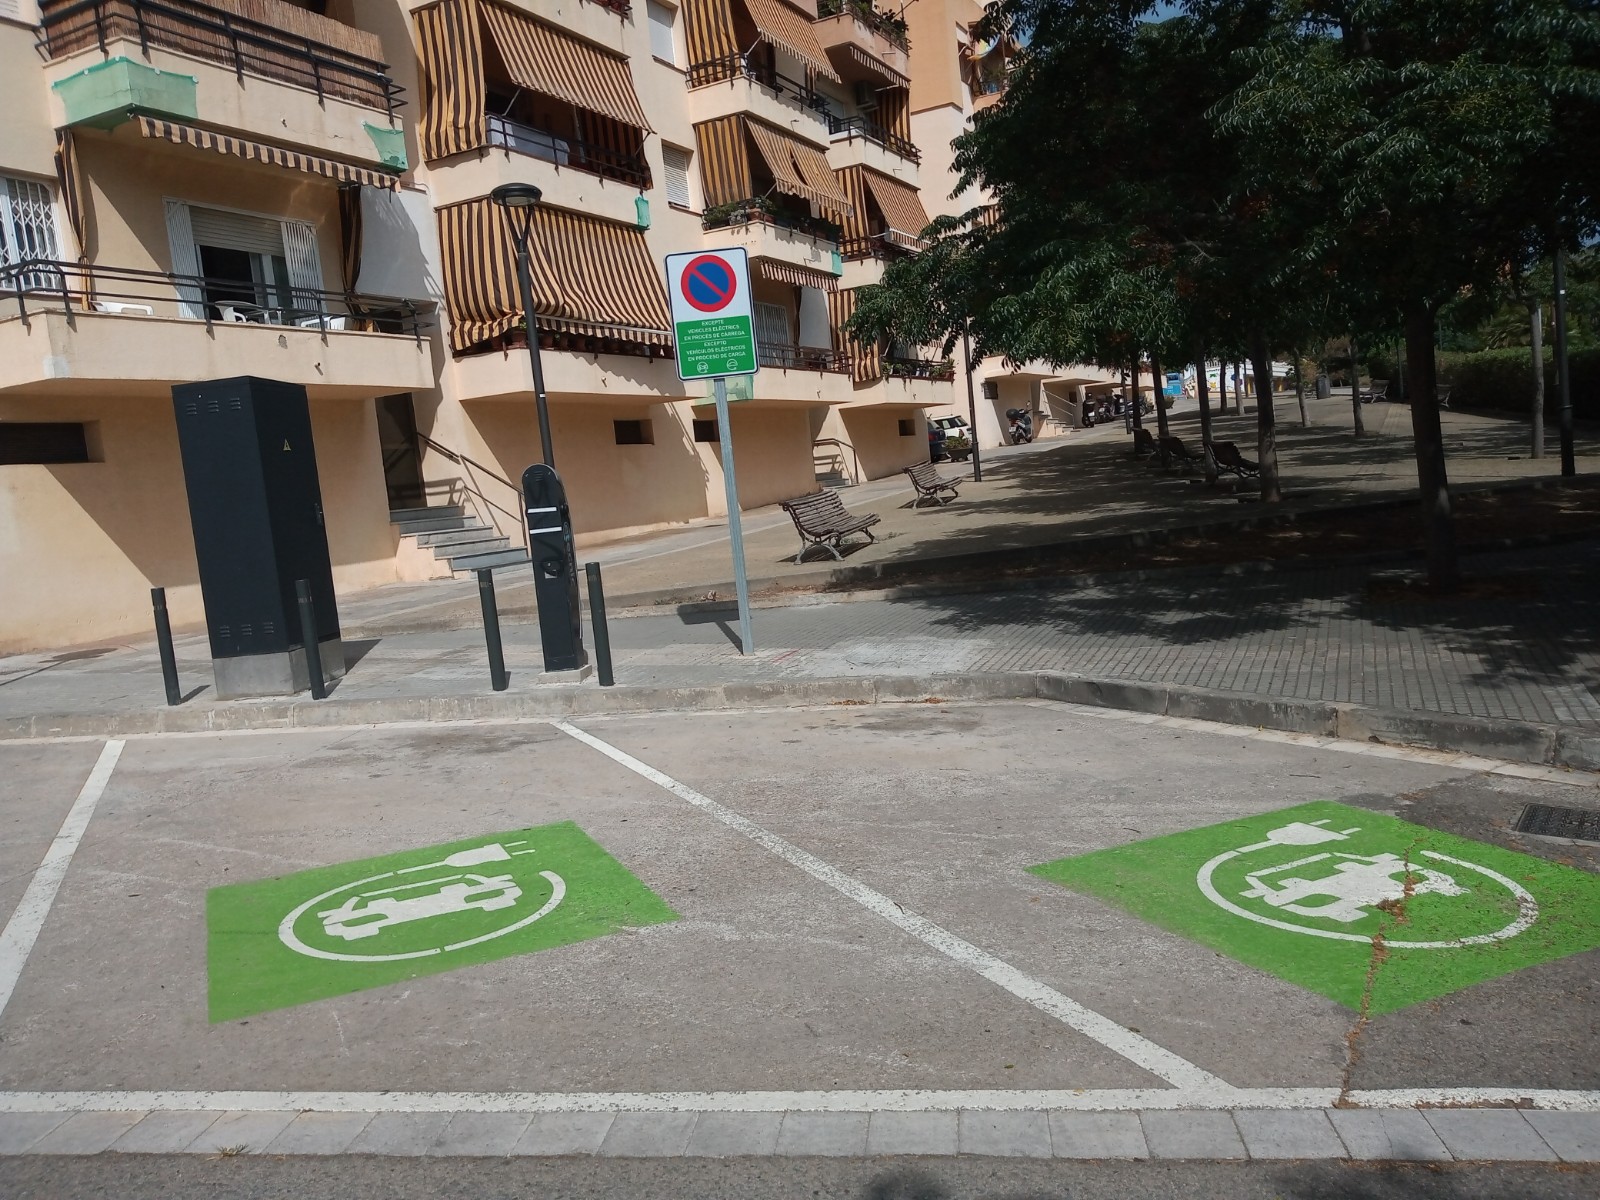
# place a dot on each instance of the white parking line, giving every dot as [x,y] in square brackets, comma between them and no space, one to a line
[1139,1050]
[22,931]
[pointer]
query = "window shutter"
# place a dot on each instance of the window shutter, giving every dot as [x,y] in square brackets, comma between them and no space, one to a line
[772,325]
[12,9]
[28,227]
[237,231]
[661,40]
[305,268]
[185,258]
[676,165]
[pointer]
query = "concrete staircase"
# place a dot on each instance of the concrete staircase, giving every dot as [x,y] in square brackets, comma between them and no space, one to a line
[461,543]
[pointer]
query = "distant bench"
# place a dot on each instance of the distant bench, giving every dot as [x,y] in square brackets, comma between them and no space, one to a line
[930,485]
[1230,462]
[821,519]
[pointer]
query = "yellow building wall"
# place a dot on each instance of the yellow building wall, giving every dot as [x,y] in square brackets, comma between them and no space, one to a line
[81,544]
[27,142]
[880,448]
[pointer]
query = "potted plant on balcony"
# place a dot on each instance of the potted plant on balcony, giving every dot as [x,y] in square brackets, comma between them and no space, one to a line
[958,446]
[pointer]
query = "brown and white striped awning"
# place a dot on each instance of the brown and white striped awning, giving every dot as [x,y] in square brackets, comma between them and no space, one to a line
[591,277]
[789,28]
[555,64]
[798,168]
[875,66]
[261,152]
[866,361]
[782,272]
[901,207]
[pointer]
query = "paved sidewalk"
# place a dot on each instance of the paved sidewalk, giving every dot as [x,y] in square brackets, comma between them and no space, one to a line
[1529,653]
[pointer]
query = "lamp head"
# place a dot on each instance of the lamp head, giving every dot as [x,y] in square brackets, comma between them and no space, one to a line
[516,195]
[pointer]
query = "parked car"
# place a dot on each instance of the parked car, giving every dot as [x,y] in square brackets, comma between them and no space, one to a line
[936,451]
[951,426]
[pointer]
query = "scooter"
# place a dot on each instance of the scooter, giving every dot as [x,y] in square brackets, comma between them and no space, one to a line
[1021,425]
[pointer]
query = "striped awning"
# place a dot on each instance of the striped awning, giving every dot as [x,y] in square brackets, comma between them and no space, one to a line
[545,60]
[450,47]
[866,361]
[261,152]
[591,277]
[788,28]
[797,168]
[901,207]
[782,272]
[877,67]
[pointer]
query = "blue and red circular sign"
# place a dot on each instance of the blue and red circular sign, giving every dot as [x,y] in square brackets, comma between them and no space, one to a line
[709,283]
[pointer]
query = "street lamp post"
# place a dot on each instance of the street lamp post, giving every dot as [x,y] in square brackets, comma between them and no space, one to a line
[518,199]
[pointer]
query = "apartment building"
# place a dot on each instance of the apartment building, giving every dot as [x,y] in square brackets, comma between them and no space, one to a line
[299,189]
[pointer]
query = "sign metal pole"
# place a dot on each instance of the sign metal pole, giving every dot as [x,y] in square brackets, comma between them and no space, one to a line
[741,581]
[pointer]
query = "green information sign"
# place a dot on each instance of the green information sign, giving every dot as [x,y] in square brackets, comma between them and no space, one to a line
[1341,900]
[335,930]
[711,313]
[721,345]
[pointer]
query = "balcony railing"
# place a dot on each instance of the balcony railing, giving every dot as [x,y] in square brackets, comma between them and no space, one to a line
[801,358]
[842,129]
[248,47]
[569,152]
[886,25]
[888,246]
[741,66]
[941,370]
[764,211]
[36,286]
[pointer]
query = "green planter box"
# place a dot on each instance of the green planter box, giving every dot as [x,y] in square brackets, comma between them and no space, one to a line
[103,95]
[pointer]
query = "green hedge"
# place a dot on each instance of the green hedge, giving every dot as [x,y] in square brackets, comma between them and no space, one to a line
[1502,380]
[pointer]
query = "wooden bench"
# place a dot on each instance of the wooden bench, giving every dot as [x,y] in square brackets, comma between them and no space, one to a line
[1143,444]
[1378,390]
[821,519]
[1230,462]
[930,485]
[1176,452]
[1442,391]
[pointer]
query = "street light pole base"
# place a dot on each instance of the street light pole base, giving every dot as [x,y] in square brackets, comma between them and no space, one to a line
[574,676]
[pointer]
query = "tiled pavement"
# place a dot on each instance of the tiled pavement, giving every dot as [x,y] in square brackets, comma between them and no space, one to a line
[1442,1134]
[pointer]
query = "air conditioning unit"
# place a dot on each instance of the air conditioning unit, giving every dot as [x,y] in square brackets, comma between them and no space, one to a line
[866,94]
[991,390]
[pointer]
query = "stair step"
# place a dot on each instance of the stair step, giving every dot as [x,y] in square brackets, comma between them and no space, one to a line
[497,558]
[485,545]
[400,515]
[437,524]
[450,537]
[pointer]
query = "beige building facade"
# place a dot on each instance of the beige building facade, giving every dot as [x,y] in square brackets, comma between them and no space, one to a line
[299,190]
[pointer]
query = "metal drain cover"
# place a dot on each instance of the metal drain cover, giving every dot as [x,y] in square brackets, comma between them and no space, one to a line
[1552,820]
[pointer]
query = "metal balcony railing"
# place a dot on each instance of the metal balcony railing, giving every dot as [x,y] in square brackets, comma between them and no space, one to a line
[842,129]
[762,210]
[888,26]
[248,47]
[741,66]
[940,370]
[888,245]
[569,152]
[35,286]
[801,358]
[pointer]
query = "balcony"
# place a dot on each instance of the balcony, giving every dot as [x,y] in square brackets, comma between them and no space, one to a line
[887,26]
[65,327]
[766,231]
[939,370]
[801,358]
[569,152]
[720,87]
[844,129]
[301,80]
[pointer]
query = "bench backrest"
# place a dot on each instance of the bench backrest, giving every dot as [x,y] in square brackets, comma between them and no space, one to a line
[1141,437]
[816,511]
[1174,445]
[1226,452]
[923,475]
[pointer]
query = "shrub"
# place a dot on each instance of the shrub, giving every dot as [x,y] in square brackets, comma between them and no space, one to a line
[1502,380]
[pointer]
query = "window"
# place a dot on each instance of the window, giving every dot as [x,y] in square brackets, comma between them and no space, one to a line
[706,431]
[244,266]
[43,442]
[908,428]
[772,325]
[662,44]
[634,433]
[28,229]
[676,164]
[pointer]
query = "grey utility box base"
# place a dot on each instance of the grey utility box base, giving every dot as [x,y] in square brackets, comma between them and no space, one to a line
[576,675]
[280,674]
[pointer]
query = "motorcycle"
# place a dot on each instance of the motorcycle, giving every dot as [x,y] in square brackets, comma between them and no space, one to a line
[1021,425]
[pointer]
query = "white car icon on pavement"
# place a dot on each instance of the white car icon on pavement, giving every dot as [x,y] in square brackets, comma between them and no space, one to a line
[366,914]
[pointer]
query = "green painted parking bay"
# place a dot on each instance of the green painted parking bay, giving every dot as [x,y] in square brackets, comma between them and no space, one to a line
[1366,909]
[356,925]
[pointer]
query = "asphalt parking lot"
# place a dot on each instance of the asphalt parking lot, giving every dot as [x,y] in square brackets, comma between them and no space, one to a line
[818,900]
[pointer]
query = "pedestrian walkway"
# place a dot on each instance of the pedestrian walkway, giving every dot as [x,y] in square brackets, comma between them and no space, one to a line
[1527,650]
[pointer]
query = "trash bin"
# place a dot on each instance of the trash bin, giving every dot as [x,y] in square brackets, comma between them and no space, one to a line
[1324,389]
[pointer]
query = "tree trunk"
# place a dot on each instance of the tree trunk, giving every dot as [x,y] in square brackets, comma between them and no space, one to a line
[1202,388]
[1134,394]
[1240,391]
[1536,330]
[1355,390]
[1438,525]
[1160,384]
[1300,387]
[1266,418]
[1222,389]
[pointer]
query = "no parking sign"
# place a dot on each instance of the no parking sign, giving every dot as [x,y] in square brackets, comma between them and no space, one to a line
[711,313]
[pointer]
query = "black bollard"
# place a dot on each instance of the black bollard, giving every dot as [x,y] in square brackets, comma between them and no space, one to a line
[491,630]
[597,618]
[169,660]
[308,634]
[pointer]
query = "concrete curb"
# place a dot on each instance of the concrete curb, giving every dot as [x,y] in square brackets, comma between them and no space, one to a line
[1515,741]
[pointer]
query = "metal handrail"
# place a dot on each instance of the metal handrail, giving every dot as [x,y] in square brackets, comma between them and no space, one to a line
[51,285]
[563,151]
[887,244]
[519,517]
[737,66]
[843,445]
[852,127]
[193,27]
[801,358]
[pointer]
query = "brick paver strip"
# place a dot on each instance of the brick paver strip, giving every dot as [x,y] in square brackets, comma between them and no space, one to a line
[648,1135]
[1280,1134]
[1005,1134]
[165,1133]
[19,1131]
[400,1133]
[1574,1136]
[1097,1135]
[912,1133]
[319,1133]
[247,1132]
[86,1133]
[481,1134]
[727,1135]
[835,1135]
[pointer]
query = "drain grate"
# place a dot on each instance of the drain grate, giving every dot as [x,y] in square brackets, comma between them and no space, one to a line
[1552,820]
